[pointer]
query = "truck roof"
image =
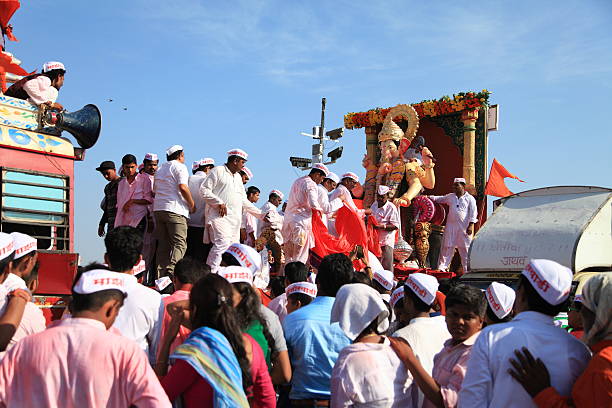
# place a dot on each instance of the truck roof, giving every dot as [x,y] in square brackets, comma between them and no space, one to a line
[568,224]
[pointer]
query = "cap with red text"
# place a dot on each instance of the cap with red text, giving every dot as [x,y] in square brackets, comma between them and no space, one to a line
[423,285]
[98,280]
[550,279]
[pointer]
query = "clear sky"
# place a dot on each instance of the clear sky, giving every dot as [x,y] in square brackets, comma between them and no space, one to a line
[212,75]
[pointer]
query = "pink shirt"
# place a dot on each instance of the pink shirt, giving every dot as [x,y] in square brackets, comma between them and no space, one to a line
[76,362]
[139,189]
[33,321]
[40,90]
[449,369]
[183,331]
[388,214]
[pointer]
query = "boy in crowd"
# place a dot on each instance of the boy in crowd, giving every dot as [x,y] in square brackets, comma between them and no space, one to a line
[465,311]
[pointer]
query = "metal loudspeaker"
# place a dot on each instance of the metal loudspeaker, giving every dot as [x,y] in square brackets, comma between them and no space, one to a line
[84,124]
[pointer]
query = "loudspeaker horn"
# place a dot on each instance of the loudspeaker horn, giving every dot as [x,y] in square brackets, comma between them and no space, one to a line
[84,124]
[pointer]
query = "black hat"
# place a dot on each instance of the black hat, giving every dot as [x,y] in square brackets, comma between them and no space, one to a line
[105,165]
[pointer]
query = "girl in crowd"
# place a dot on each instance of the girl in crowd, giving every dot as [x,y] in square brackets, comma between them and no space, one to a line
[594,387]
[367,373]
[217,365]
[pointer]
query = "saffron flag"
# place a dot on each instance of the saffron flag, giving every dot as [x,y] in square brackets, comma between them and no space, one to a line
[496,185]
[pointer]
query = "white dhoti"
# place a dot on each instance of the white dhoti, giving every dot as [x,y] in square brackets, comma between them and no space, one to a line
[221,233]
[298,239]
[454,237]
[461,213]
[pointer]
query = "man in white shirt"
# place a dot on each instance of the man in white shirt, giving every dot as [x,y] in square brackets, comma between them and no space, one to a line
[41,89]
[343,190]
[459,229]
[23,271]
[225,198]
[297,224]
[544,287]
[275,198]
[172,205]
[195,224]
[328,185]
[388,218]
[249,230]
[426,335]
[141,315]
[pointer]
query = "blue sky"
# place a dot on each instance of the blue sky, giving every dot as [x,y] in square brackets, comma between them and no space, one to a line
[220,74]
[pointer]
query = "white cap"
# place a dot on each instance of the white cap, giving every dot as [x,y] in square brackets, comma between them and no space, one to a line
[23,244]
[236,274]
[162,283]
[51,65]
[247,256]
[385,278]
[550,279]
[459,180]
[578,298]
[278,193]
[207,161]
[238,152]
[6,245]
[312,277]
[98,280]
[306,288]
[151,156]
[248,172]
[333,177]
[500,298]
[382,189]
[396,295]
[356,306]
[173,149]
[423,285]
[195,165]
[322,167]
[139,268]
[351,175]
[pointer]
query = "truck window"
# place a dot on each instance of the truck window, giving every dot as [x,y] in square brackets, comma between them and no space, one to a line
[37,204]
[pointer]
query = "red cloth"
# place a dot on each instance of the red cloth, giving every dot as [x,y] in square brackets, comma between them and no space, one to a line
[440,299]
[7,9]
[373,241]
[183,380]
[496,185]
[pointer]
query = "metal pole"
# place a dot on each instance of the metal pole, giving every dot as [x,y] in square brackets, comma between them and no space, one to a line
[322,130]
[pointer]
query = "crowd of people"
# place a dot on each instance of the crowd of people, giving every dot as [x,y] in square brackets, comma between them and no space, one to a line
[183,312]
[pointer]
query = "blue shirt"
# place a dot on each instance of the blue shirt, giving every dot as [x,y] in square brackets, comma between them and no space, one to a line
[313,345]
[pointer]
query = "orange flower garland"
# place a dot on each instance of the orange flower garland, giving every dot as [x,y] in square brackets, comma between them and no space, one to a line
[431,108]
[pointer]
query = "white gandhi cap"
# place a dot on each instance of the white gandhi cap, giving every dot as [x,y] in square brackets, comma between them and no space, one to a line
[173,149]
[23,244]
[384,277]
[500,298]
[550,279]
[98,280]
[423,285]
[236,274]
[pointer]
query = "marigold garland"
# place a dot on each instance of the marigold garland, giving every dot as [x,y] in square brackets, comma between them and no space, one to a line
[443,106]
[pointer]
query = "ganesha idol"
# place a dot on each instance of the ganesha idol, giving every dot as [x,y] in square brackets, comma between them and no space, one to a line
[403,158]
[396,163]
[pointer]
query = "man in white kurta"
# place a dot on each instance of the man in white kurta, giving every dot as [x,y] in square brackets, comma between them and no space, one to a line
[327,186]
[225,199]
[275,198]
[195,223]
[297,224]
[459,229]
[343,191]
[388,218]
